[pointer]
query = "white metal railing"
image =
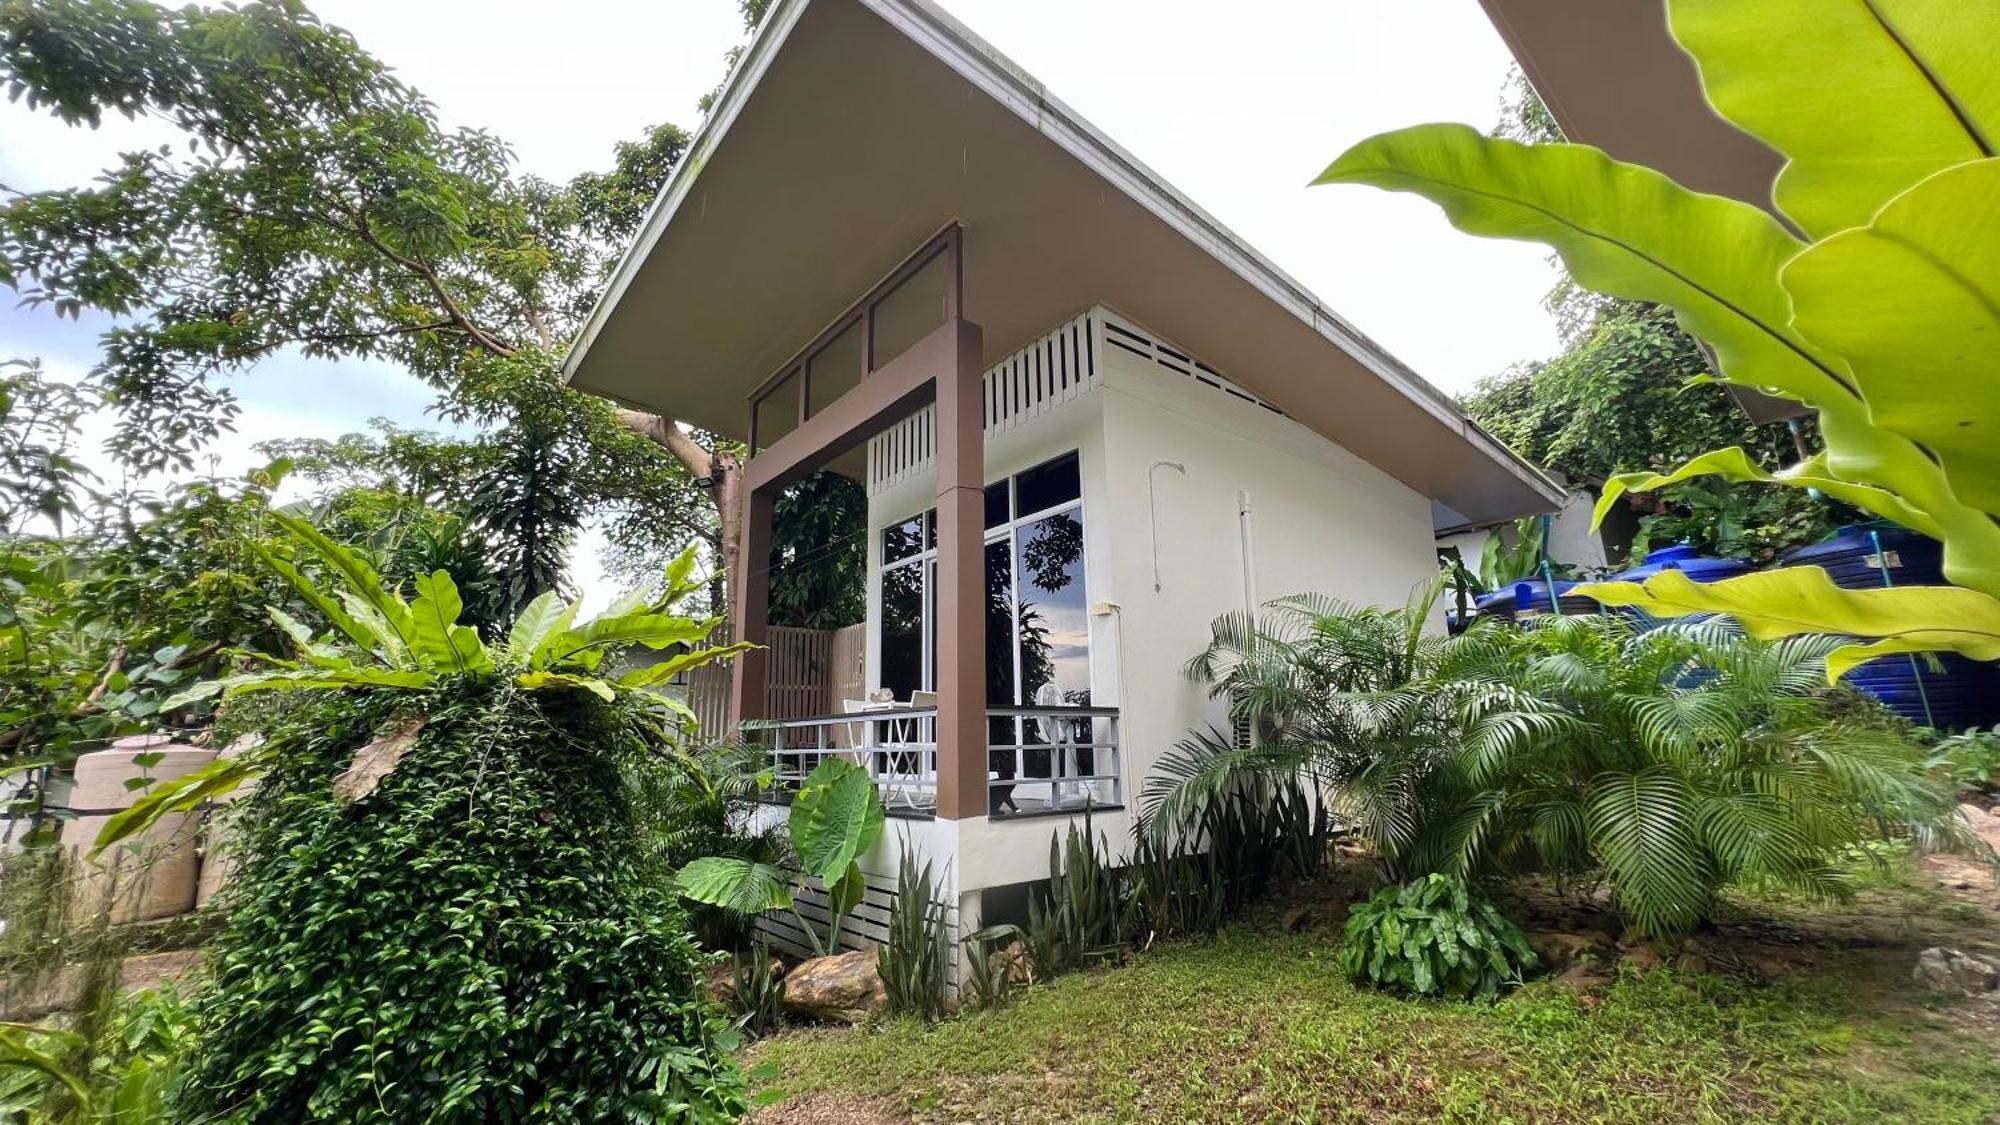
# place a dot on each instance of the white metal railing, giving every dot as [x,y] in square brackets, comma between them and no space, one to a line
[1040,760]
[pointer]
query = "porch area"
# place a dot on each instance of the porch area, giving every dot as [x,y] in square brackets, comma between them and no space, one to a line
[1054,760]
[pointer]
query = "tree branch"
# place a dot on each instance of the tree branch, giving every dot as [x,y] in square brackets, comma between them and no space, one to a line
[668,433]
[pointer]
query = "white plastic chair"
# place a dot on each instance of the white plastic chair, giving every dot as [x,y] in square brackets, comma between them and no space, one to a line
[858,741]
[1058,732]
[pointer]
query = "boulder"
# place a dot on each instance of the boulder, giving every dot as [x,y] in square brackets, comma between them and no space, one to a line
[1020,970]
[722,978]
[846,987]
[1954,970]
[1559,949]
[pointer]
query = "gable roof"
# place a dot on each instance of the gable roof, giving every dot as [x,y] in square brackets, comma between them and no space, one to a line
[851,130]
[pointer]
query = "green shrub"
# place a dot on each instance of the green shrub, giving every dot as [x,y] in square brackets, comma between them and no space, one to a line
[477,939]
[1971,759]
[1434,937]
[914,961]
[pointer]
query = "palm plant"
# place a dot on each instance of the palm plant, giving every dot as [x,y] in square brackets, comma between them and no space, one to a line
[1672,763]
[1668,763]
[1323,691]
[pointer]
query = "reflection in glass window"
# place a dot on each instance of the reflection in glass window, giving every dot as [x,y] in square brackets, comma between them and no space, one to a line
[902,629]
[903,540]
[1054,625]
[1037,616]
[1047,485]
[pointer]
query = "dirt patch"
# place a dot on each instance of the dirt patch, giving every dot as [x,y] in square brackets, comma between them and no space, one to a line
[826,1108]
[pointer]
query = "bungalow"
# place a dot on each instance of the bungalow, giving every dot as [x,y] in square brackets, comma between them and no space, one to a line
[1087,418]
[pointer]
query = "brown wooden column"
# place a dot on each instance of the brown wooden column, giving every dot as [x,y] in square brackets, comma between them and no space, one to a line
[961,590]
[751,670]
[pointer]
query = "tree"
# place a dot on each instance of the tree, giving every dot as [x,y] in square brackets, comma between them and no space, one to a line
[319,205]
[1632,390]
[1879,313]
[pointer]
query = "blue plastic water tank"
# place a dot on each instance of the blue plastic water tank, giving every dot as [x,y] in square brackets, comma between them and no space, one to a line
[1531,596]
[1959,693]
[1684,558]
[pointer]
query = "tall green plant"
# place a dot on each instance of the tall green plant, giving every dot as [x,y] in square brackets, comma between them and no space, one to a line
[1326,690]
[836,816]
[1669,763]
[1884,317]
[915,960]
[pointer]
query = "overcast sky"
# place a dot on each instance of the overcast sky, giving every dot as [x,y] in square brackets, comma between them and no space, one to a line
[1236,104]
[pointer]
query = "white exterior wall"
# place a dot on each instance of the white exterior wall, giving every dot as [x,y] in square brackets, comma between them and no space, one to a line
[1322,520]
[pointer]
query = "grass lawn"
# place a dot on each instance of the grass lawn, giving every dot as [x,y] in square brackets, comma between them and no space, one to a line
[1259,1024]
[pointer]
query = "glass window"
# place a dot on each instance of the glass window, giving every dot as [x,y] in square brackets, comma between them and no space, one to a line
[778,412]
[903,620]
[1037,616]
[1047,485]
[996,505]
[834,370]
[1054,624]
[902,540]
[911,310]
[999,623]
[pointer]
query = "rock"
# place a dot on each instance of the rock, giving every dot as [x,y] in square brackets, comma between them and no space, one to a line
[1954,970]
[1642,957]
[1558,949]
[1020,970]
[845,987]
[1296,919]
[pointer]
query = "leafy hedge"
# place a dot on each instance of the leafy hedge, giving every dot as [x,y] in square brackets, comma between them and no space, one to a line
[477,939]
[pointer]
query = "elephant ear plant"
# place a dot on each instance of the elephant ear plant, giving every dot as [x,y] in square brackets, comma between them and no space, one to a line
[1882,313]
[836,816]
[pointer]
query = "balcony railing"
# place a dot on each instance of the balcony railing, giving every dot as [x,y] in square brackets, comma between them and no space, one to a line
[1039,760]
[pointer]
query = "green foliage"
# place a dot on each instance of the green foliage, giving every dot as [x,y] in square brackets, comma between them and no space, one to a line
[313,203]
[381,642]
[1669,763]
[100,626]
[992,982]
[1502,563]
[836,816]
[915,959]
[1882,320]
[473,940]
[108,1056]
[1434,937]
[756,993]
[1971,759]
[1330,694]
[1081,919]
[819,553]
[703,802]
[1630,389]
